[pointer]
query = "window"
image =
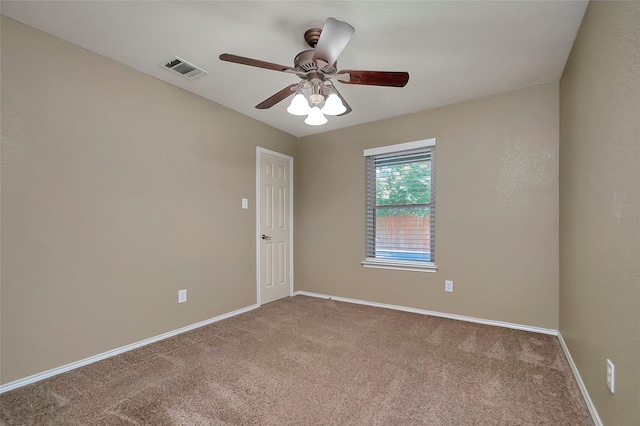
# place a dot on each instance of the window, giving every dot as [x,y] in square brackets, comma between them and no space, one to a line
[400,206]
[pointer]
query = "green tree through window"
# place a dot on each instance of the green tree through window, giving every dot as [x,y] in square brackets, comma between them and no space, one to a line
[403,184]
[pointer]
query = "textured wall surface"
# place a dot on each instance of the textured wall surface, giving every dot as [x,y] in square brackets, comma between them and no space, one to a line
[600,206]
[117,191]
[496,210]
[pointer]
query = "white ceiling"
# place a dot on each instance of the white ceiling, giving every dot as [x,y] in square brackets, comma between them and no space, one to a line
[453,50]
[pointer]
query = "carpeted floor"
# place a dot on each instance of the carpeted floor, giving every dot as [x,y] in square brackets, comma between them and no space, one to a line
[307,361]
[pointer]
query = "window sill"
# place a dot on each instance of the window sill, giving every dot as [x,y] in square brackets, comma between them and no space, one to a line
[400,265]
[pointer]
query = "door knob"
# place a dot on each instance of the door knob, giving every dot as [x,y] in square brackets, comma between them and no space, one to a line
[265,237]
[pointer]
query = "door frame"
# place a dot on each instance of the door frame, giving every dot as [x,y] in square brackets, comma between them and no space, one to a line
[259,152]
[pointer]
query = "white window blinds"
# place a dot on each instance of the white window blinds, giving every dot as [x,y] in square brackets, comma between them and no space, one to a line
[400,205]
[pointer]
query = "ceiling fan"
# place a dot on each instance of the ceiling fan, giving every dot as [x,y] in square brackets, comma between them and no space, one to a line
[317,69]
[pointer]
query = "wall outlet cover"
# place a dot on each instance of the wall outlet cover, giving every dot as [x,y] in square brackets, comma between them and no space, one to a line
[182,295]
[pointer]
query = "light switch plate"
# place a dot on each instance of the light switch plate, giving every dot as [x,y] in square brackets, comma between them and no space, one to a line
[245,203]
[611,376]
[448,286]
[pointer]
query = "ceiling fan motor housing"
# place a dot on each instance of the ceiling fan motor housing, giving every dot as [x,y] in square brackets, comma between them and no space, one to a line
[305,63]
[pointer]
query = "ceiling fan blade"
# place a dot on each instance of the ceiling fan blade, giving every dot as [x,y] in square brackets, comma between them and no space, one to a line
[374,78]
[281,95]
[334,37]
[255,63]
[343,102]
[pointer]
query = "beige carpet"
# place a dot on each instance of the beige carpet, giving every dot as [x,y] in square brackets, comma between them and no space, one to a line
[306,361]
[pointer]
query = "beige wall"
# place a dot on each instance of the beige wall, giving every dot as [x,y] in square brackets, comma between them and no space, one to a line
[496,210]
[600,206]
[117,191]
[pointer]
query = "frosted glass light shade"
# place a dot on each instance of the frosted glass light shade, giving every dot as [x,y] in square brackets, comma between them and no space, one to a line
[315,117]
[299,105]
[333,105]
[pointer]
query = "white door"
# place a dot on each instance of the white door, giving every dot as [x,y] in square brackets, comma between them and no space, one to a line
[274,226]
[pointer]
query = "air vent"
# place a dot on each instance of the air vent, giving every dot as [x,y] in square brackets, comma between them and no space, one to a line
[308,67]
[184,68]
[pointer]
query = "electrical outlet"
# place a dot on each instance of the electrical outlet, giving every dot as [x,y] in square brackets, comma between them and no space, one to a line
[448,286]
[611,376]
[182,295]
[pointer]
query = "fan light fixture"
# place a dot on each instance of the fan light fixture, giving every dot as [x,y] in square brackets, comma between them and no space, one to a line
[299,105]
[315,115]
[333,105]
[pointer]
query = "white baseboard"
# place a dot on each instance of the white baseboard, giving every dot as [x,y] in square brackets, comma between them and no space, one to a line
[55,371]
[549,331]
[583,388]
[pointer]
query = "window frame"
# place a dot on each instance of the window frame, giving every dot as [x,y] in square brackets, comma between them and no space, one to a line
[403,265]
